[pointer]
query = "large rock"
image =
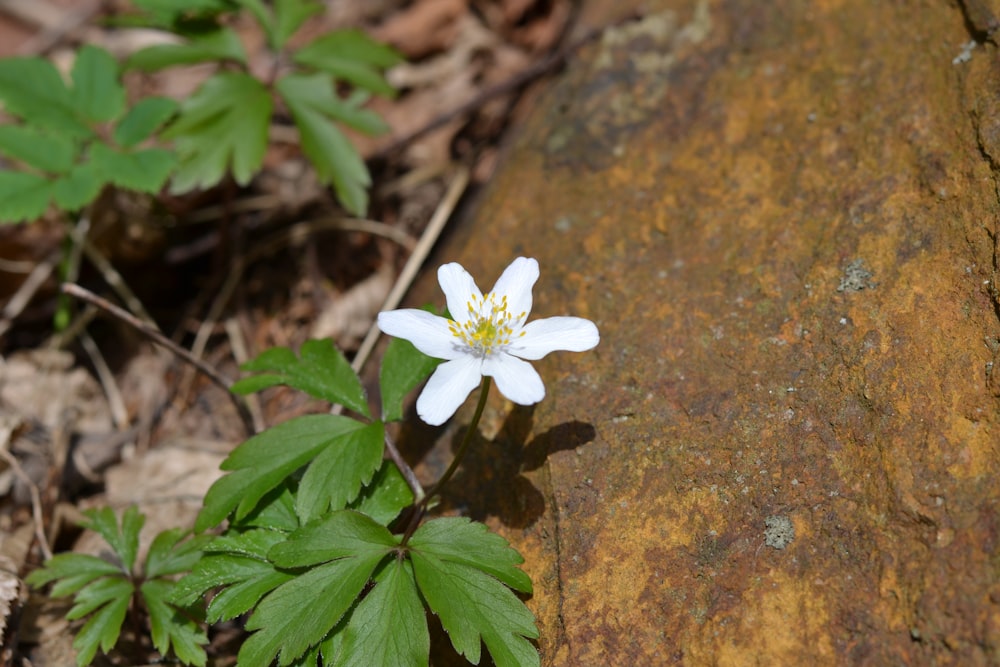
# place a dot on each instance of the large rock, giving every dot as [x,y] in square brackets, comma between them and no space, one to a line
[783,217]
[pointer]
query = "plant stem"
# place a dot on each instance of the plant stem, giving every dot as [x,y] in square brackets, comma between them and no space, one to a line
[421,507]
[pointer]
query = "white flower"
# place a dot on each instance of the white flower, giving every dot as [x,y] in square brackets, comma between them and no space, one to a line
[488,337]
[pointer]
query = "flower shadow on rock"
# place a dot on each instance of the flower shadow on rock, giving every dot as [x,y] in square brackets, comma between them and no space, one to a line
[490,481]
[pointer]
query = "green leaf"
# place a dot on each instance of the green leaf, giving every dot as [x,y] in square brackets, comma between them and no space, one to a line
[41,150]
[96,91]
[351,56]
[143,119]
[222,126]
[169,555]
[275,512]
[389,626]
[336,475]
[74,571]
[169,627]
[289,15]
[246,579]
[344,533]
[219,45]
[474,607]
[101,631]
[403,368]
[78,188]
[265,460]
[124,541]
[255,543]
[459,540]
[385,496]
[320,371]
[144,170]
[33,89]
[298,614]
[311,101]
[349,111]
[98,594]
[23,197]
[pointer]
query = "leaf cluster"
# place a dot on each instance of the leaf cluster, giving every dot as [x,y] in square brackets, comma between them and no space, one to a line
[310,551]
[73,138]
[104,591]
[223,127]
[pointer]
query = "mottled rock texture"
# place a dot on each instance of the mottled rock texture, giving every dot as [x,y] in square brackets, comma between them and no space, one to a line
[783,216]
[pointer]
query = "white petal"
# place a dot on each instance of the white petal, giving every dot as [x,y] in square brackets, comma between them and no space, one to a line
[573,334]
[459,289]
[515,283]
[515,379]
[447,389]
[428,333]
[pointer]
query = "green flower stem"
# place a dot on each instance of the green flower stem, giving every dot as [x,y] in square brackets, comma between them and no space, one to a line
[421,509]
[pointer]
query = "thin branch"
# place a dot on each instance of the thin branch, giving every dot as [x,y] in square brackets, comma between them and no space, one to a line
[140,326]
[405,470]
[36,501]
[27,290]
[117,404]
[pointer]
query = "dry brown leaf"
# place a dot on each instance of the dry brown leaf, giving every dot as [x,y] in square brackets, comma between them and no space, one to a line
[348,317]
[426,27]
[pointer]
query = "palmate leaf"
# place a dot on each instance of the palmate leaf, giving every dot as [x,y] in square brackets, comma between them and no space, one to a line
[169,627]
[403,368]
[144,170]
[97,94]
[264,461]
[473,608]
[42,150]
[219,45]
[33,89]
[171,554]
[139,122]
[102,629]
[23,197]
[336,475]
[389,626]
[385,496]
[339,535]
[223,126]
[459,540]
[71,572]
[125,539]
[287,17]
[78,187]
[300,613]
[320,371]
[353,57]
[313,103]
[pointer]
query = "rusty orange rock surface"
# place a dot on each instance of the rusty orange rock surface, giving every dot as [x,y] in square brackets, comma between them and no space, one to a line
[783,217]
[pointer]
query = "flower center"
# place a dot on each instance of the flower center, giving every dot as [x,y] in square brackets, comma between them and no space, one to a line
[489,328]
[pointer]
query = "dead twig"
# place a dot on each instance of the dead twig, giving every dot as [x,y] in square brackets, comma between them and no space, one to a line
[140,326]
[36,501]
[114,395]
[27,290]
[405,470]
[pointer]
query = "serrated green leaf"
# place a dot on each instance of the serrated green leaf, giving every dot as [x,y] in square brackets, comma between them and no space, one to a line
[298,614]
[353,57]
[96,91]
[73,572]
[460,540]
[341,534]
[100,631]
[144,170]
[320,371]
[124,540]
[143,119]
[274,512]
[169,555]
[219,45]
[23,197]
[246,579]
[77,188]
[264,461]
[254,543]
[385,496]
[169,627]
[33,89]
[289,15]
[351,113]
[43,151]
[388,627]
[336,475]
[311,101]
[98,594]
[224,125]
[403,368]
[474,607]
